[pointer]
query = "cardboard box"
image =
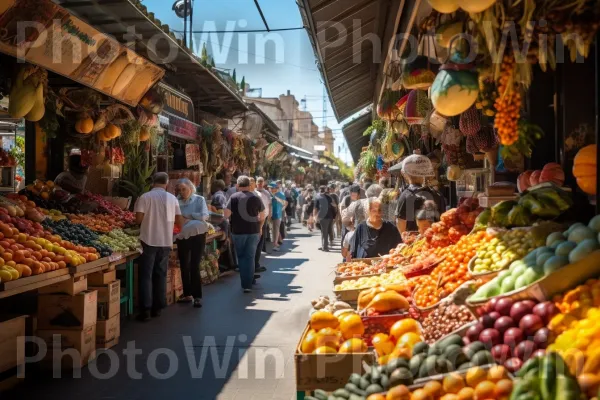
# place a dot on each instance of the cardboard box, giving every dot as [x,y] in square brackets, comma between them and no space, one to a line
[110,343]
[60,311]
[71,286]
[102,278]
[11,354]
[82,341]
[177,282]
[109,300]
[108,330]
[327,371]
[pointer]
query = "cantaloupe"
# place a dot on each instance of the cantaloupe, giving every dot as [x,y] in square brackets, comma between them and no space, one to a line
[444,6]
[84,125]
[124,79]
[39,109]
[21,99]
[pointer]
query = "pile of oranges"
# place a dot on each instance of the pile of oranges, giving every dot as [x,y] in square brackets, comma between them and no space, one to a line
[508,104]
[402,337]
[452,272]
[330,335]
[477,383]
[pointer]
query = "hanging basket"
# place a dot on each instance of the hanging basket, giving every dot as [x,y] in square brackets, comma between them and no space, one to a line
[417,107]
[418,74]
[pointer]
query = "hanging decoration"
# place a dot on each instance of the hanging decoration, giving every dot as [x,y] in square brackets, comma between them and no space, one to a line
[456,87]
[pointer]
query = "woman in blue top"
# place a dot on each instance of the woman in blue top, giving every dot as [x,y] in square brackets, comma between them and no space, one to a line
[278,203]
[191,241]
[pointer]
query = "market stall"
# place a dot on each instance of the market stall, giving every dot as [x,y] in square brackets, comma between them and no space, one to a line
[497,297]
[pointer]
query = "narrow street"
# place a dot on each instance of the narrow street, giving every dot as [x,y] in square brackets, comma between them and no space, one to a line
[238,346]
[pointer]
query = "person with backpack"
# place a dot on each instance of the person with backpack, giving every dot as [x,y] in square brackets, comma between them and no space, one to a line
[324,212]
[415,169]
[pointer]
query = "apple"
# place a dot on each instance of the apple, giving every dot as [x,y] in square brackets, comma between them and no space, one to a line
[530,324]
[542,338]
[525,349]
[545,311]
[501,352]
[521,309]
[489,320]
[503,323]
[474,331]
[513,364]
[490,337]
[503,306]
[513,336]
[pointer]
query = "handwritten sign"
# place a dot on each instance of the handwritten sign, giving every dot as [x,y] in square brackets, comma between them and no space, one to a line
[177,103]
[45,34]
[115,257]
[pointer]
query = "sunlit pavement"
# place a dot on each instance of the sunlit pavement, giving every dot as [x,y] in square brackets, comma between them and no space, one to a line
[238,346]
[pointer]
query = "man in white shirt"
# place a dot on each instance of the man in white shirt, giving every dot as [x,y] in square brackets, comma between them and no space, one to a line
[156,211]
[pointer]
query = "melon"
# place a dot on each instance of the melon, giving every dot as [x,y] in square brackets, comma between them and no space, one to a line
[534,178]
[595,223]
[444,6]
[554,173]
[475,6]
[454,92]
[21,99]
[580,234]
[39,109]
[523,181]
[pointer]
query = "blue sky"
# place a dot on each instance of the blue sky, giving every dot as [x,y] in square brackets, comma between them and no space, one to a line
[286,63]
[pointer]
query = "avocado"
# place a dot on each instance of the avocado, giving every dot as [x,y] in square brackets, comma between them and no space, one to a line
[321,394]
[375,375]
[373,389]
[473,349]
[364,383]
[428,367]
[395,364]
[434,351]
[343,393]
[401,376]
[482,357]
[415,364]
[443,366]
[357,397]
[454,353]
[420,347]
[352,388]
[452,339]
[355,379]
[384,382]
[465,366]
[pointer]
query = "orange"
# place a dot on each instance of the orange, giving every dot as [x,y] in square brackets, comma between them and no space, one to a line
[322,319]
[404,326]
[475,375]
[376,397]
[434,388]
[382,344]
[449,396]
[421,394]
[309,342]
[399,392]
[354,345]
[325,350]
[351,326]
[401,352]
[496,373]
[485,390]
[466,393]
[328,337]
[409,340]
[453,383]
[503,388]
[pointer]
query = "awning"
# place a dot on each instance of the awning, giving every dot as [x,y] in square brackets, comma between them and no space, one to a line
[353,132]
[114,17]
[300,149]
[350,67]
[305,158]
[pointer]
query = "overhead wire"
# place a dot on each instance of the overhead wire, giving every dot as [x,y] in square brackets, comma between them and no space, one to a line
[248,30]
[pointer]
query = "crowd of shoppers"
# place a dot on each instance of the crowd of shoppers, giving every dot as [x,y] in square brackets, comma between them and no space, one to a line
[369,219]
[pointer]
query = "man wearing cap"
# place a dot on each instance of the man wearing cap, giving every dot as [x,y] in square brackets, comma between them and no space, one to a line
[415,169]
[324,212]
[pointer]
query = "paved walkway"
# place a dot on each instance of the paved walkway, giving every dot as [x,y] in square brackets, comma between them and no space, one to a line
[238,346]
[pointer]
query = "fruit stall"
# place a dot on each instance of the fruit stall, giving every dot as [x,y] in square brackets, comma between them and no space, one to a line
[497,298]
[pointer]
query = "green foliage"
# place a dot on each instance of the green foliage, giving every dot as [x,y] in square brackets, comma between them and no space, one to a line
[243,83]
[137,170]
[234,76]
[528,134]
[18,151]
[49,123]
[377,125]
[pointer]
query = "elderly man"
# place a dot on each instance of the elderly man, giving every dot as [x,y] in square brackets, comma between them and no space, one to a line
[324,211]
[157,211]
[247,214]
[278,205]
[358,211]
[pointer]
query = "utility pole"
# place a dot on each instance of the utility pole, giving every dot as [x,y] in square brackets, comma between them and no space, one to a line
[324,106]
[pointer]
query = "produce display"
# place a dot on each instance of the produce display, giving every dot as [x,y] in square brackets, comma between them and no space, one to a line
[119,241]
[552,172]
[107,207]
[393,277]
[452,272]
[444,320]
[454,224]
[562,248]
[78,234]
[505,248]
[546,377]
[381,300]
[542,203]
[330,335]
[330,305]
[359,268]
[102,223]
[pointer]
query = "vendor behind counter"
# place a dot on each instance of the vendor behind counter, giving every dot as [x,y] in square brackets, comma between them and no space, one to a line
[75,178]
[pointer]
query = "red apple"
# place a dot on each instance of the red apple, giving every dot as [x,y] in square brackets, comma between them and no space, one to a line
[520,309]
[545,311]
[530,324]
[501,353]
[513,336]
[488,320]
[525,349]
[513,364]
[542,338]
[490,337]
[503,306]
[502,324]
[474,331]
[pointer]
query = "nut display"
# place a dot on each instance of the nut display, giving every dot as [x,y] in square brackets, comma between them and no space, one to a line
[444,320]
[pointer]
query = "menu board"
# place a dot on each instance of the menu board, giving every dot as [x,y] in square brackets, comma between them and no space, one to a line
[182,128]
[45,34]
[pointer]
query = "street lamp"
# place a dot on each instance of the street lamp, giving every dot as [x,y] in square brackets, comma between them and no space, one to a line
[185,9]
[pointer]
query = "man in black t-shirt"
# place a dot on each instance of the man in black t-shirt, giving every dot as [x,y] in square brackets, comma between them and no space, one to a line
[247,215]
[324,211]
